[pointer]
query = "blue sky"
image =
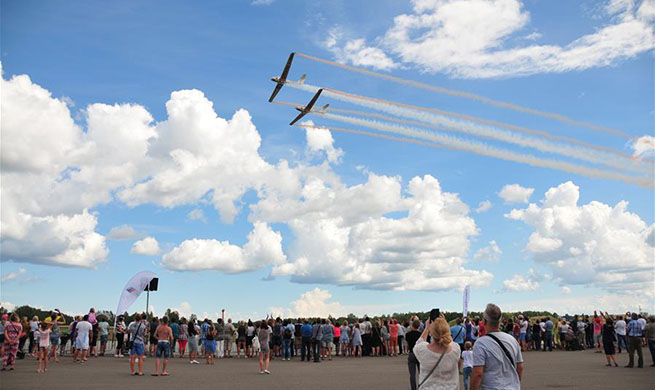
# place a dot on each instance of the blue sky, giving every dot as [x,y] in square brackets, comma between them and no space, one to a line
[92,56]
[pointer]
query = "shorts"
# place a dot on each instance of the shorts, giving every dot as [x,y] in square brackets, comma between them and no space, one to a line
[137,349]
[522,336]
[193,344]
[54,340]
[277,341]
[153,340]
[163,349]
[82,341]
[326,343]
[249,340]
[210,347]
[597,338]
[103,339]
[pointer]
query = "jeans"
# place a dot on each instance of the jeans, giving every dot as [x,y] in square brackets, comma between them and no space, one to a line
[413,366]
[286,348]
[634,344]
[548,341]
[651,348]
[316,346]
[467,377]
[621,342]
[305,349]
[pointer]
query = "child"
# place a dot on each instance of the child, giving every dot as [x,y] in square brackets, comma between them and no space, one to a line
[44,345]
[467,356]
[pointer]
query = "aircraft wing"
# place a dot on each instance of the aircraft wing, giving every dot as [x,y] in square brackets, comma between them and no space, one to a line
[277,89]
[296,119]
[285,72]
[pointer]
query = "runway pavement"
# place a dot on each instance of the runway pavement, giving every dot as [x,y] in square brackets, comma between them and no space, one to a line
[543,370]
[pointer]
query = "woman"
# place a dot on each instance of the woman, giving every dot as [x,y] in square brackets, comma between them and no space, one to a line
[194,331]
[608,342]
[440,359]
[241,340]
[356,341]
[265,351]
[33,327]
[386,338]
[210,343]
[393,338]
[13,332]
[120,336]
[344,340]
[250,333]
[184,336]
[376,339]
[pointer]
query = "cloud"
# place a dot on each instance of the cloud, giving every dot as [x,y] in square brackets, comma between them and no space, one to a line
[13,276]
[474,39]
[483,206]
[576,304]
[594,244]
[520,283]
[321,140]
[184,310]
[7,305]
[347,226]
[123,233]
[644,146]
[262,2]
[196,215]
[264,247]
[148,247]
[317,303]
[489,253]
[566,290]
[356,52]
[514,193]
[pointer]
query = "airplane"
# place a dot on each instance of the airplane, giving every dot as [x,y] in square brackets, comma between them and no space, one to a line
[279,81]
[306,109]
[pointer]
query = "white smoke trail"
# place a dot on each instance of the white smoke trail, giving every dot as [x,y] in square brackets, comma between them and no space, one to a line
[472,96]
[446,123]
[491,151]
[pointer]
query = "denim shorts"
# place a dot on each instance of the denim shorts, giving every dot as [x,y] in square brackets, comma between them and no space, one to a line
[137,349]
[103,339]
[54,340]
[163,349]
[210,347]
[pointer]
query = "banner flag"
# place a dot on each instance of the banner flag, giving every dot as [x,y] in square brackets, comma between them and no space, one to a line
[132,290]
[467,293]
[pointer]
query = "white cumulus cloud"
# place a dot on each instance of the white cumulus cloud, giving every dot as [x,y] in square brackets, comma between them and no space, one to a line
[321,140]
[594,244]
[483,206]
[196,215]
[148,247]
[515,193]
[124,233]
[644,146]
[489,253]
[520,283]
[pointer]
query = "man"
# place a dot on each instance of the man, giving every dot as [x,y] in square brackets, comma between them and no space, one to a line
[497,359]
[366,328]
[164,335]
[153,341]
[137,331]
[228,337]
[306,336]
[317,337]
[328,336]
[523,325]
[458,332]
[84,331]
[635,333]
[548,334]
[412,363]
[175,327]
[620,327]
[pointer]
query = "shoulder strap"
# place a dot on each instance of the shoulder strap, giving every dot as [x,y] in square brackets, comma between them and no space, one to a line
[432,370]
[460,331]
[502,346]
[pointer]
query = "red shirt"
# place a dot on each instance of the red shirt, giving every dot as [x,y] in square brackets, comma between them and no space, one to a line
[481,331]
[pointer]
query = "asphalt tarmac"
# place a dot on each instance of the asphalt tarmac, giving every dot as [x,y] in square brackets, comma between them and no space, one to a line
[543,370]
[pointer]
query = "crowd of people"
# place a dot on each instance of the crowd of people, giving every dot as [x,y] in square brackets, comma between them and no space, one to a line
[433,347]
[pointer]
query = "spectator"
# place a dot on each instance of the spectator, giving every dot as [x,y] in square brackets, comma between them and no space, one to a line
[548,334]
[608,342]
[635,333]
[497,358]
[467,359]
[649,334]
[164,336]
[137,331]
[412,363]
[440,359]
[457,333]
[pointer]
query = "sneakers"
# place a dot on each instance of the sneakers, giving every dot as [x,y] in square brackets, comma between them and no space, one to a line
[267,372]
[261,372]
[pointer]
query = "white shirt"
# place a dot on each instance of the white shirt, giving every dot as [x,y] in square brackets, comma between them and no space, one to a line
[620,327]
[446,375]
[467,356]
[524,326]
[83,327]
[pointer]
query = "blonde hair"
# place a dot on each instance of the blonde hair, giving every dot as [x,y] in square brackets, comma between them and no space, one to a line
[440,332]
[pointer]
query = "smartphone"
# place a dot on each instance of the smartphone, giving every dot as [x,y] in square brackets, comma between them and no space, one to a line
[434,314]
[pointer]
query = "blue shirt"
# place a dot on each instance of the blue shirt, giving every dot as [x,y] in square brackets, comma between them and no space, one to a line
[175,328]
[458,332]
[204,328]
[634,329]
[306,330]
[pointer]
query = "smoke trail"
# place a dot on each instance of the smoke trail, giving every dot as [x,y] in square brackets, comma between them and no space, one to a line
[446,123]
[491,151]
[471,96]
[470,118]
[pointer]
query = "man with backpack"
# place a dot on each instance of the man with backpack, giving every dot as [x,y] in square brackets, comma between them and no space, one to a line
[497,358]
